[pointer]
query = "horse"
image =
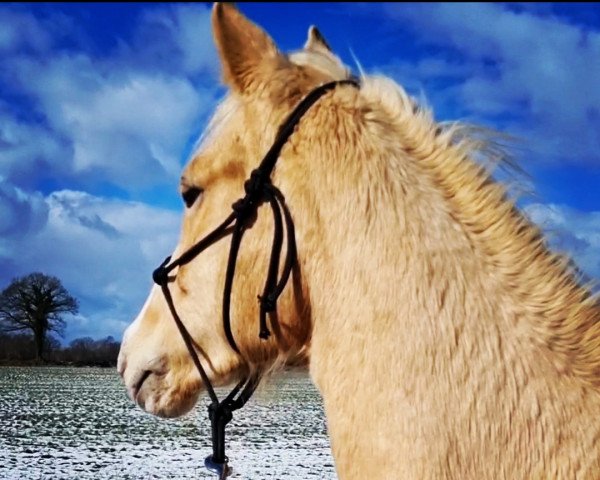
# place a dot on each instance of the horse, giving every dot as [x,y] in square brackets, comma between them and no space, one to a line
[445,337]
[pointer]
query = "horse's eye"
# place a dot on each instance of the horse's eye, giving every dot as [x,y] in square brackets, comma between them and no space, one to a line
[190,195]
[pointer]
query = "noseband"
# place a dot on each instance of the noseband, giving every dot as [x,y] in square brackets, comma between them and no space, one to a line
[258,190]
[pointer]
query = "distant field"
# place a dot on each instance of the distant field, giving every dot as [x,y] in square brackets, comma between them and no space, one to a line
[77,423]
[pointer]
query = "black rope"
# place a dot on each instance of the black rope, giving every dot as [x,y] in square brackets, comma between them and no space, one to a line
[189,343]
[290,258]
[287,127]
[267,302]
[258,190]
[236,240]
[217,234]
[220,414]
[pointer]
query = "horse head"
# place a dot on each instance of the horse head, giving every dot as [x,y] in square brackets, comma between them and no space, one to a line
[264,85]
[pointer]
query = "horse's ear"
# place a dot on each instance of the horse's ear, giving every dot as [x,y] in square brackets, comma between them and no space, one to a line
[316,41]
[247,53]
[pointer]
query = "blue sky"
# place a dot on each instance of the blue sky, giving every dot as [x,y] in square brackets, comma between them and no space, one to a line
[100,105]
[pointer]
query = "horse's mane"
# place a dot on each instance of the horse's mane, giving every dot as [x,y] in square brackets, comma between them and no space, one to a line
[545,283]
[460,159]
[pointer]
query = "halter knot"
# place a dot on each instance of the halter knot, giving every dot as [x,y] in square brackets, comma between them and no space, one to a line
[255,188]
[161,274]
[241,206]
[255,185]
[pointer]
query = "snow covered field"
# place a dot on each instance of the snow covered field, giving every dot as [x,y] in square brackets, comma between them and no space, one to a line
[77,423]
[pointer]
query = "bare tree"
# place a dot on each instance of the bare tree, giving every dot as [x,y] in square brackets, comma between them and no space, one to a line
[36,302]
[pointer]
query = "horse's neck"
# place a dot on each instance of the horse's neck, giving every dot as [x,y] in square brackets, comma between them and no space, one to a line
[404,312]
[417,345]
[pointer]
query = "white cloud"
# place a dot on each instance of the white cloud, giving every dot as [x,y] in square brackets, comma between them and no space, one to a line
[535,75]
[129,128]
[132,129]
[122,119]
[186,32]
[125,118]
[103,251]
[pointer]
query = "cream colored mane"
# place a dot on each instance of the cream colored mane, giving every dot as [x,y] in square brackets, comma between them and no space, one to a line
[567,320]
[446,339]
[566,316]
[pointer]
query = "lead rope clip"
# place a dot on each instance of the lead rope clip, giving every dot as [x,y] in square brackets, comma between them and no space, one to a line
[221,469]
